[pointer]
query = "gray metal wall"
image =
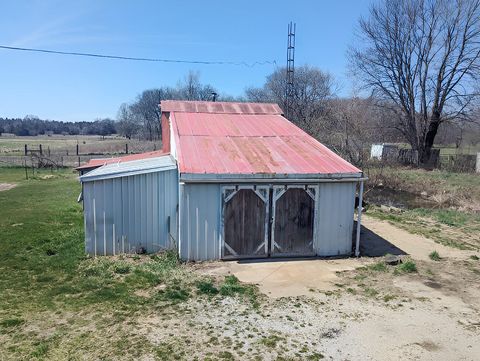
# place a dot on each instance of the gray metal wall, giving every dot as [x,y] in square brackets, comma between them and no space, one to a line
[200,210]
[201,224]
[335,219]
[126,213]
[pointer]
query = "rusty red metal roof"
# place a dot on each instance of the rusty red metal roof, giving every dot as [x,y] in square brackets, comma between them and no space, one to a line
[248,143]
[95,163]
[219,107]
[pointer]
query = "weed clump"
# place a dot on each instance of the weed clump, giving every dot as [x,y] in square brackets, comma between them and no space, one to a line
[50,252]
[434,256]
[232,286]
[11,322]
[379,267]
[207,287]
[174,294]
[474,257]
[271,341]
[121,269]
[406,267]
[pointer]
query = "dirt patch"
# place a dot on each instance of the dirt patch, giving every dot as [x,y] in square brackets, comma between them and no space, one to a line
[7,186]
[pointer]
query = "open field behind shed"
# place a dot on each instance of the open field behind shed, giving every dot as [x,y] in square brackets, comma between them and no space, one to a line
[56,303]
[62,149]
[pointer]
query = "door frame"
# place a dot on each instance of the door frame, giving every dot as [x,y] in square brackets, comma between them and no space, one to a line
[263,192]
[227,193]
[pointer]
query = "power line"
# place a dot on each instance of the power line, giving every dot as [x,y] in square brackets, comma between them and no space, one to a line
[117,57]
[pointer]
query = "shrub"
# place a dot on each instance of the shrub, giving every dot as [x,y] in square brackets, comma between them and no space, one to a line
[474,257]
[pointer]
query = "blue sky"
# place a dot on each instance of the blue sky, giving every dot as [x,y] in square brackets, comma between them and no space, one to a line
[74,88]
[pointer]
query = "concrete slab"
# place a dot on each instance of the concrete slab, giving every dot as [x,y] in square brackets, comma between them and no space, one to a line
[287,278]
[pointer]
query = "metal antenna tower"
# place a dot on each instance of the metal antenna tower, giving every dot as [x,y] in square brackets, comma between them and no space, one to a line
[289,90]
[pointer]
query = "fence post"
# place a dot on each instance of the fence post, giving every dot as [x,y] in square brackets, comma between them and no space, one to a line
[77,148]
[26,149]
[40,149]
[26,169]
[126,148]
[79,161]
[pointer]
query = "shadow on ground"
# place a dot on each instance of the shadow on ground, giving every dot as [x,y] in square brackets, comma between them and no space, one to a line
[374,245]
[371,245]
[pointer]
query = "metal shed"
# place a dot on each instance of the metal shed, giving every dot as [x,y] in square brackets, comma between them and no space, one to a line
[131,206]
[241,181]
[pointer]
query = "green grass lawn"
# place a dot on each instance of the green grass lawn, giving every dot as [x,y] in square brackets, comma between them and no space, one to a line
[57,303]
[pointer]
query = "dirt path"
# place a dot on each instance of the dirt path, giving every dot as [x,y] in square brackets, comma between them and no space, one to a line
[417,246]
[7,186]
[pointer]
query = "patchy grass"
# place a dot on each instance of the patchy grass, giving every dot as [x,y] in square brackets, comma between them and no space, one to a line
[271,341]
[407,266]
[58,303]
[378,267]
[445,226]
[434,256]
[440,205]
[442,187]
[207,287]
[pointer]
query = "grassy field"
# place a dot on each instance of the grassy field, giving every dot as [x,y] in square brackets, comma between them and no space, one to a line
[57,303]
[441,205]
[61,144]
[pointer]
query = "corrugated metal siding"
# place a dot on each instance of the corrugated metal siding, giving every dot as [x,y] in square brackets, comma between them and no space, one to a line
[137,209]
[335,219]
[200,221]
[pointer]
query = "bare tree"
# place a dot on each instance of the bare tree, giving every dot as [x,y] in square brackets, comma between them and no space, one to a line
[142,117]
[128,124]
[192,89]
[312,90]
[421,57]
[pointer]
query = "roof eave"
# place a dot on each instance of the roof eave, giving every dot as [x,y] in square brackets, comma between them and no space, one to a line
[270,178]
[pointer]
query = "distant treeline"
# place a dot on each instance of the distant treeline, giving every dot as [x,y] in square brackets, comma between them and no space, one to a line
[33,125]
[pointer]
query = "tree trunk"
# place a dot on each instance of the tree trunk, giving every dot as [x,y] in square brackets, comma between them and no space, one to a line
[429,139]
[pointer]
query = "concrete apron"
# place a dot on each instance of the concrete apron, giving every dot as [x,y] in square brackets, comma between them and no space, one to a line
[288,278]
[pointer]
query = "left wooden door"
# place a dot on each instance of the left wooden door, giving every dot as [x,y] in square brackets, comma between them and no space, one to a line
[245,222]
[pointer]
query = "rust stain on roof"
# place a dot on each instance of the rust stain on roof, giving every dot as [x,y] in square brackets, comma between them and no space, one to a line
[246,138]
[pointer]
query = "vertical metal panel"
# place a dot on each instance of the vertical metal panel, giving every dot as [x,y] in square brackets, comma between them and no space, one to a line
[140,207]
[335,219]
[88,214]
[200,221]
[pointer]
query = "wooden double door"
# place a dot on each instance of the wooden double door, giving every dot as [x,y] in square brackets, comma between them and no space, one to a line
[268,221]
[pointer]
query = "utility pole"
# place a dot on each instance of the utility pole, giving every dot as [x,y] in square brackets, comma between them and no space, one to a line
[289,89]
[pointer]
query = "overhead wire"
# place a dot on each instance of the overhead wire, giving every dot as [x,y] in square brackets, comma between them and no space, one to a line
[158,60]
